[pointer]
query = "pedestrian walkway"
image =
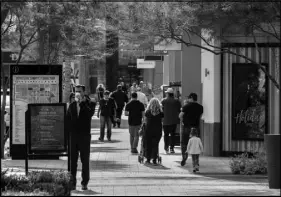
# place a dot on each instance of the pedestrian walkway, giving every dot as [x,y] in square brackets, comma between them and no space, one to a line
[115,172]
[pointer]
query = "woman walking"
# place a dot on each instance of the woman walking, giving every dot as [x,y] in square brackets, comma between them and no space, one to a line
[153,131]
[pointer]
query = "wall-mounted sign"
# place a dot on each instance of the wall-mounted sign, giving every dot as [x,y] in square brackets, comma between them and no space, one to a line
[154,58]
[167,45]
[141,63]
[249,102]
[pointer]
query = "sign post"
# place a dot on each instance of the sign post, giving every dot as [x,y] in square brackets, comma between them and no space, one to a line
[45,131]
[30,84]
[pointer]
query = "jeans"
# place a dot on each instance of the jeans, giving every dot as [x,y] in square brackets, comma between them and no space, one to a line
[105,120]
[82,144]
[134,136]
[184,138]
[169,129]
[195,161]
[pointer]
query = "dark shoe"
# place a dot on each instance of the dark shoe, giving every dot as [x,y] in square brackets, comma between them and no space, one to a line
[183,162]
[197,169]
[154,162]
[167,151]
[84,187]
[134,151]
[194,171]
[118,126]
[100,139]
[172,151]
[109,139]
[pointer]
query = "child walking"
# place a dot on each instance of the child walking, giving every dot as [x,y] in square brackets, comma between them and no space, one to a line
[194,148]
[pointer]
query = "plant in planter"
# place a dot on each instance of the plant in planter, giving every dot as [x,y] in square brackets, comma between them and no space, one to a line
[54,183]
[249,165]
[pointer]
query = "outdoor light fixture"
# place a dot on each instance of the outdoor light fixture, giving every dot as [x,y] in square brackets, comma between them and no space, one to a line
[207,72]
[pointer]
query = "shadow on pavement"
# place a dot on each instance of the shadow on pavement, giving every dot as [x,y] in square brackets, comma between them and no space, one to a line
[107,149]
[86,193]
[104,165]
[105,141]
[158,167]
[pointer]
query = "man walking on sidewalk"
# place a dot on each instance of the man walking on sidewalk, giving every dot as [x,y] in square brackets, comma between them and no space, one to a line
[190,117]
[106,111]
[121,99]
[79,116]
[171,109]
[135,110]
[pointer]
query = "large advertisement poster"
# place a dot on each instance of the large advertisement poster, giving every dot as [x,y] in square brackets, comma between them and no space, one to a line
[31,89]
[249,102]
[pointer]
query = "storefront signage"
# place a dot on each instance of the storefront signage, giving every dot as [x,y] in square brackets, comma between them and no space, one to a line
[46,127]
[167,45]
[249,102]
[141,63]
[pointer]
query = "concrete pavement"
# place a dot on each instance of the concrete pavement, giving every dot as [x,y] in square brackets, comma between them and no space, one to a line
[115,172]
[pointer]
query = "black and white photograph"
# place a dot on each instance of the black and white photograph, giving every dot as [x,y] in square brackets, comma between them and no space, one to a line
[140,98]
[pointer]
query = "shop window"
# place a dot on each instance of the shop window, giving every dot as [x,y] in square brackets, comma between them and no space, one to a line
[249,102]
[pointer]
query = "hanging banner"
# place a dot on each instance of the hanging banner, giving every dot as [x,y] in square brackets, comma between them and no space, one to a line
[142,64]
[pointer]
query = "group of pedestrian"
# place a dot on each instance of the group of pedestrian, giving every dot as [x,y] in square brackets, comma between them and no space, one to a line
[148,116]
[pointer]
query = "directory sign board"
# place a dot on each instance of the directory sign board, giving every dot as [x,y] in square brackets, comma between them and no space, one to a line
[46,127]
[30,84]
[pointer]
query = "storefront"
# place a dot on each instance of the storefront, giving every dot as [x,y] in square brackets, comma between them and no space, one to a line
[250,104]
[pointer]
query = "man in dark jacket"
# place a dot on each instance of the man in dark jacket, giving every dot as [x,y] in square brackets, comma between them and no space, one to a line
[171,109]
[106,112]
[79,116]
[121,99]
[190,117]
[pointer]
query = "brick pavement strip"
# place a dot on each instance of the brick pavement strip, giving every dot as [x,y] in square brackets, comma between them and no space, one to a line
[116,172]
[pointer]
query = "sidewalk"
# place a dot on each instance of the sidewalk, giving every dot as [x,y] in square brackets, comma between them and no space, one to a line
[115,171]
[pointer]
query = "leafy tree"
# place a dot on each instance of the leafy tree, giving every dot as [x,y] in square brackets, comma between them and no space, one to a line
[207,20]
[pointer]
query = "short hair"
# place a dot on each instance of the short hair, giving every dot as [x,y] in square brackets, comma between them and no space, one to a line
[193,96]
[171,94]
[106,92]
[81,86]
[134,95]
[119,87]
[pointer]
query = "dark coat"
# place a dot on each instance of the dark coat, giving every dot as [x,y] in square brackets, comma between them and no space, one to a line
[120,98]
[82,124]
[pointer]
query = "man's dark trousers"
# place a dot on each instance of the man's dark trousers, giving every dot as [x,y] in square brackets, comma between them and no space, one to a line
[119,111]
[169,129]
[80,143]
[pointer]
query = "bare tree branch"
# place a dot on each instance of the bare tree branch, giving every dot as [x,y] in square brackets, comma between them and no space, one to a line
[8,26]
[267,32]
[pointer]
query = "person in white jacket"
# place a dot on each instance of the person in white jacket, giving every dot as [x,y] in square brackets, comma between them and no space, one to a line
[194,148]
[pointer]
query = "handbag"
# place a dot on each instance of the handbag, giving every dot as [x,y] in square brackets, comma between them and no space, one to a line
[142,130]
